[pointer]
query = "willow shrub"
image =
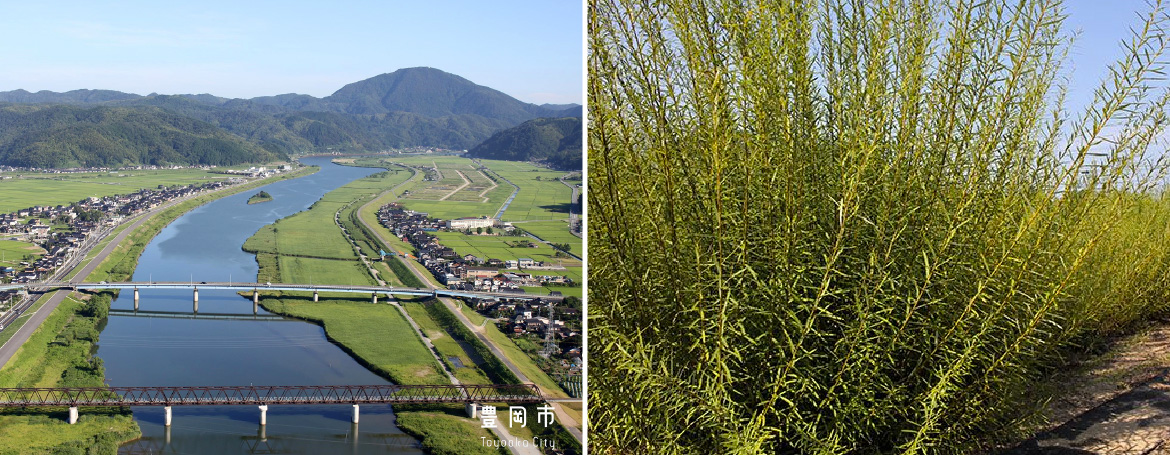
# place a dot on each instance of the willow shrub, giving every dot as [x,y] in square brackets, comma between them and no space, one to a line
[857,227]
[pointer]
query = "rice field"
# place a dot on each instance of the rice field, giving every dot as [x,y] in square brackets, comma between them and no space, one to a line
[553,231]
[12,253]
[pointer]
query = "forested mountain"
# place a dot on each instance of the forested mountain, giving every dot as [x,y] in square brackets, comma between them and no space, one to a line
[71,97]
[556,141]
[70,136]
[409,107]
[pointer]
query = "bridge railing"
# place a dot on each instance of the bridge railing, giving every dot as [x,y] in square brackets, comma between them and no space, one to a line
[239,395]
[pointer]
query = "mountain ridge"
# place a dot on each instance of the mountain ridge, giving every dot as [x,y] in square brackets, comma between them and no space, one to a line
[408,107]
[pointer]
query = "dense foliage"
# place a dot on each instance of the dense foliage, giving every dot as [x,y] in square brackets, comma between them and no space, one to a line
[857,227]
[70,136]
[556,141]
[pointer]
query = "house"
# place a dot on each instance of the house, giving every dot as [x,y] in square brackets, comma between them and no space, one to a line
[525,262]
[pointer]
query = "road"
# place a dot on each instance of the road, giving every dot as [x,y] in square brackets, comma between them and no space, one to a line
[568,422]
[574,217]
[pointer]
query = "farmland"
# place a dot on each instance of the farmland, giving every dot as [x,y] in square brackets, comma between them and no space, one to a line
[553,231]
[310,247]
[13,252]
[28,188]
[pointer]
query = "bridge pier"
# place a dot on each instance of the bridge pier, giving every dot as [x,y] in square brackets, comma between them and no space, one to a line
[314,296]
[167,437]
[255,297]
[196,300]
[136,299]
[355,413]
[262,433]
[471,408]
[167,417]
[353,430]
[374,298]
[263,414]
[72,415]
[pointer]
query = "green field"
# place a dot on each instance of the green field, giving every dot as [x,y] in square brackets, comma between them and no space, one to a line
[377,335]
[13,252]
[323,271]
[553,231]
[26,189]
[543,199]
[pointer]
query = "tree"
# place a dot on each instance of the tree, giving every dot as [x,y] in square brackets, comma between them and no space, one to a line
[479,230]
[489,230]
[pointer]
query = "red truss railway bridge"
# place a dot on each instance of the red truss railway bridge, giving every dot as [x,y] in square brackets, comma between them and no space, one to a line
[263,396]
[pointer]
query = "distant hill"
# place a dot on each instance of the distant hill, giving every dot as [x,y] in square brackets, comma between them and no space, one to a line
[71,97]
[70,136]
[408,107]
[556,141]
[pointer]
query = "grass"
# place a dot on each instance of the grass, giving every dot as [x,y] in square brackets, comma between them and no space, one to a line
[553,231]
[447,346]
[862,229]
[13,252]
[322,271]
[376,335]
[447,434]
[27,189]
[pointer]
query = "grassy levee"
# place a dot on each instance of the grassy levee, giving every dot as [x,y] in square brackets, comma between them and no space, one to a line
[870,229]
[59,354]
[378,336]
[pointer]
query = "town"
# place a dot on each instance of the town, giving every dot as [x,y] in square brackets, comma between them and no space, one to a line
[560,326]
[61,230]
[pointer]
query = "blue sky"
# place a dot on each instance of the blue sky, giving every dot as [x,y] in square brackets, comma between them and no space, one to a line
[531,50]
[1102,24]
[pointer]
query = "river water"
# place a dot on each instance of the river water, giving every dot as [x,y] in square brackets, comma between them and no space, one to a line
[204,245]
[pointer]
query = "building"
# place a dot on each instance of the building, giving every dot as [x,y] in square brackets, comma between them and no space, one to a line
[470,223]
[525,262]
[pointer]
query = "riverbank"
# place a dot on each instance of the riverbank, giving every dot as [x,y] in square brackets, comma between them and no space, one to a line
[59,352]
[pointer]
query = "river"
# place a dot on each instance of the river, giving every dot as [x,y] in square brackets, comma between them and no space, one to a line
[204,245]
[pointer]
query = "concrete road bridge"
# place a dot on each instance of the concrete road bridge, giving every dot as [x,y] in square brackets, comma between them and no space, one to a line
[316,289]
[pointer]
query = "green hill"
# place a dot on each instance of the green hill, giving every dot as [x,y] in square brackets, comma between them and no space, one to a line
[69,136]
[408,107]
[556,141]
